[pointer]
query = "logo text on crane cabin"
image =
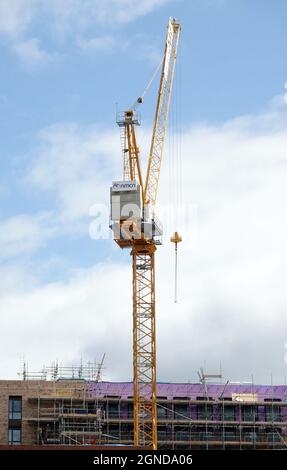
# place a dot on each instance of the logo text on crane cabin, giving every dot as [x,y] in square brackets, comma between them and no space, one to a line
[124,186]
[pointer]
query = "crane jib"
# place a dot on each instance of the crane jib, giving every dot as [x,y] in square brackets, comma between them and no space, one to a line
[161,115]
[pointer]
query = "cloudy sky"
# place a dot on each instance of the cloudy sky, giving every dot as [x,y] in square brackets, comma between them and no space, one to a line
[66,66]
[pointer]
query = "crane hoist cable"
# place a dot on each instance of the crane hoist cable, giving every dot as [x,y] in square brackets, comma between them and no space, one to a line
[175,174]
[175,238]
[141,97]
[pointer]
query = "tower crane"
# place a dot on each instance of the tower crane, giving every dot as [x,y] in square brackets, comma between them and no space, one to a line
[135,226]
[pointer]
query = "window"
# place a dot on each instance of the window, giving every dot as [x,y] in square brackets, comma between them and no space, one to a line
[273,437]
[204,398]
[272,413]
[112,396]
[127,432]
[161,409]
[204,412]
[14,436]
[228,413]
[161,433]
[250,436]
[92,407]
[181,411]
[182,436]
[249,413]
[15,407]
[161,412]
[114,431]
[113,410]
[130,410]
[206,436]
[230,436]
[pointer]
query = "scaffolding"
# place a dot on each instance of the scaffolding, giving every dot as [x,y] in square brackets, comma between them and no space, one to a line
[69,422]
[90,371]
[182,423]
[77,411]
[59,410]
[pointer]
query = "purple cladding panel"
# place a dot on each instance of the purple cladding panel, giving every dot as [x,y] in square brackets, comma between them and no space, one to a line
[191,391]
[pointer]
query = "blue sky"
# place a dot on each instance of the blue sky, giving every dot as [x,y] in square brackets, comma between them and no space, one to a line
[231,61]
[65,67]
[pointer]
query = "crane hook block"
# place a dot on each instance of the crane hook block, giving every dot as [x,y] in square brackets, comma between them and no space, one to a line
[176,238]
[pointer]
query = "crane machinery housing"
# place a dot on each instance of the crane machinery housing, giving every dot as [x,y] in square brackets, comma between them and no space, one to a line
[135,226]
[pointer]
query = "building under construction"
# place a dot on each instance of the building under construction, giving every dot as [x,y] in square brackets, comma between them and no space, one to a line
[78,409]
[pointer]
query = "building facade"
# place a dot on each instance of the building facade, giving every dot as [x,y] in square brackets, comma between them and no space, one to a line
[190,416]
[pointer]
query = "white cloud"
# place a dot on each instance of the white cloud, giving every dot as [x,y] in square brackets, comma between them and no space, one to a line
[17,16]
[16,277]
[232,303]
[62,21]
[23,234]
[147,48]
[101,43]
[126,10]
[74,163]
[232,296]
[31,54]
[60,318]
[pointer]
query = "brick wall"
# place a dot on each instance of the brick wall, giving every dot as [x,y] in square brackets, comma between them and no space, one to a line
[30,391]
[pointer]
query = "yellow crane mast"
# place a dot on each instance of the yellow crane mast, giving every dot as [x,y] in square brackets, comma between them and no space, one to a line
[135,226]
